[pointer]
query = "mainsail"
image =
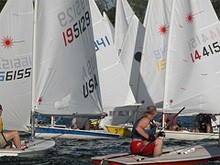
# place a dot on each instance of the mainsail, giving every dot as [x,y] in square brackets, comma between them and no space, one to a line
[115,90]
[192,70]
[123,16]
[131,52]
[65,72]
[16,24]
[153,62]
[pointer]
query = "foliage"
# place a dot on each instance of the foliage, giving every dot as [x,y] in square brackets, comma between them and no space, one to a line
[2,3]
[216,5]
[138,6]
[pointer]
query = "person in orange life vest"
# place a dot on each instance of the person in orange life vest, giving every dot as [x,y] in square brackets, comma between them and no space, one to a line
[145,140]
[7,136]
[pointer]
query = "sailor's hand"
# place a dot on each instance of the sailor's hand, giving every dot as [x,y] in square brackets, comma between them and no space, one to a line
[161,134]
[157,123]
[151,138]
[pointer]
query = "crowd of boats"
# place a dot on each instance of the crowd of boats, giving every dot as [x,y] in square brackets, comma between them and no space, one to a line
[63,64]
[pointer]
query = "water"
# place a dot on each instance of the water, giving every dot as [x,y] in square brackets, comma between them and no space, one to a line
[79,152]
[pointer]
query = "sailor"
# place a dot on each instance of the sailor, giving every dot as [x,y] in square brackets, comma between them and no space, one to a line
[145,140]
[81,122]
[203,123]
[7,136]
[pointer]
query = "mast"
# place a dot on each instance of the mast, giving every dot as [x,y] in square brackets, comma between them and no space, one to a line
[218,126]
[165,104]
[33,70]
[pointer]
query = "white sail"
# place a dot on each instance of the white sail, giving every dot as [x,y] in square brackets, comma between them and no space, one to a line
[192,75]
[123,17]
[146,14]
[115,90]
[16,24]
[110,28]
[153,62]
[131,52]
[66,77]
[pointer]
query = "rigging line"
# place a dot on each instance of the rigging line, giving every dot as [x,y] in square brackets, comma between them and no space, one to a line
[171,122]
[173,118]
[126,121]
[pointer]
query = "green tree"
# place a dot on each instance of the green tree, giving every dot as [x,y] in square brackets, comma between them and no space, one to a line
[139,7]
[2,3]
[216,5]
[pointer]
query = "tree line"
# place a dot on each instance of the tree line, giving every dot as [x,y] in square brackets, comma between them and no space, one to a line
[138,6]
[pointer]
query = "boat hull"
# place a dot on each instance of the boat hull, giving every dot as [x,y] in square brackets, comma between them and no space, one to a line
[193,155]
[121,130]
[37,148]
[186,135]
[67,133]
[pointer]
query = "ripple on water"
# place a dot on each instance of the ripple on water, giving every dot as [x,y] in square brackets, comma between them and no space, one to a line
[79,152]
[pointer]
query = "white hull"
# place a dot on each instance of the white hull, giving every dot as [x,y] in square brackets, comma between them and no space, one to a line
[37,148]
[193,155]
[186,135]
[67,133]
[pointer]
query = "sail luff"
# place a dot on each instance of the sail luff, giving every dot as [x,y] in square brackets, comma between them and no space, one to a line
[165,106]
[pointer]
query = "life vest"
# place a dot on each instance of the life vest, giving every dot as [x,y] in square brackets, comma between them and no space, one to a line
[1,125]
[136,135]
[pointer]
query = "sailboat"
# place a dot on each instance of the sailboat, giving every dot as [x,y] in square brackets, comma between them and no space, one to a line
[113,79]
[153,71]
[66,77]
[192,79]
[194,100]
[16,62]
[130,57]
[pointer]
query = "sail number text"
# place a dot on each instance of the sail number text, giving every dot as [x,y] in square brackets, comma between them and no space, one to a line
[77,29]
[103,41]
[15,74]
[15,68]
[90,86]
[206,51]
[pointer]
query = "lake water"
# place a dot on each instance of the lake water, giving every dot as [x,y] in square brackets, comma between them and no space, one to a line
[79,152]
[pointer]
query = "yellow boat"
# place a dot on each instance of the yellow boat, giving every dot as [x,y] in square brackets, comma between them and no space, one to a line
[121,130]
